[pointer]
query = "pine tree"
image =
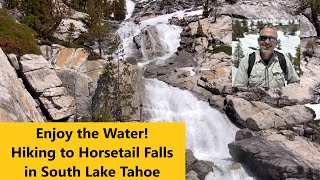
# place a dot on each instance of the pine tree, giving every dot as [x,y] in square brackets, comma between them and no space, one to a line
[205,13]
[245,27]
[296,61]
[117,92]
[98,27]
[294,28]
[11,4]
[252,26]
[70,33]
[106,9]
[119,10]
[237,31]
[200,32]
[238,55]
[279,46]
[260,25]
[43,16]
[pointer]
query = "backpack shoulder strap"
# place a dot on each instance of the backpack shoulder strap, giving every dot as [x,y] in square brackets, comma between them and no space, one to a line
[283,63]
[252,59]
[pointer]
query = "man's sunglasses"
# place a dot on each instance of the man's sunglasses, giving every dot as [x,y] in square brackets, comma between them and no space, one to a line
[271,38]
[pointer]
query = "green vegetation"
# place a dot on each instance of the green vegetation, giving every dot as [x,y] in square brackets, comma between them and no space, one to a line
[237,30]
[311,44]
[11,4]
[43,16]
[119,10]
[222,48]
[70,33]
[296,62]
[98,27]
[16,38]
[238,55]
[79,5]
[200,32]
[205,12]
[117,93]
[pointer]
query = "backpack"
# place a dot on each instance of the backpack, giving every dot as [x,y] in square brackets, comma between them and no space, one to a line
[282,61]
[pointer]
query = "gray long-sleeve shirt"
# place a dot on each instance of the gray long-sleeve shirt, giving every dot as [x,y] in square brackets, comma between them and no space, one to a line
[270,75]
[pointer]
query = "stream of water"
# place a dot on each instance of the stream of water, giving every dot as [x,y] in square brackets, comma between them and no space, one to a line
[208,131]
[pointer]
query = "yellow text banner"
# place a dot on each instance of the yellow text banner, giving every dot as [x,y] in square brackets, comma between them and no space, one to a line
[92,151]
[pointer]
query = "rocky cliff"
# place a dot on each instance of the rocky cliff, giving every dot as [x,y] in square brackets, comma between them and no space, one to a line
[16,102]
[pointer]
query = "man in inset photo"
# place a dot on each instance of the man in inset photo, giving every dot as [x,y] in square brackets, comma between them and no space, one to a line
[265,66]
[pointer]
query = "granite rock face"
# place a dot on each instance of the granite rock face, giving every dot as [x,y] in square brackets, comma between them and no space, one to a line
[16,103]
[62,31]
[278,155]
[148,43]
[257,115]
[47,86]
[79,76]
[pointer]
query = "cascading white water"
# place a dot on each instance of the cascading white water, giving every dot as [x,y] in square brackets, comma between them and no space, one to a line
[169,41]
[208,131]
[130,8]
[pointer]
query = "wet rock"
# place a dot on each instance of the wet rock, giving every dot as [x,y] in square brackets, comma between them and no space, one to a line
[190,160]
[244,134]
[149,43]
[202,168]
[191,175]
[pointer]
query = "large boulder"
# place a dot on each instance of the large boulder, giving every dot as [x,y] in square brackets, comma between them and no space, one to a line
[149,43]
[220,30]
[257,115]
[47,86]
[278,155]
[196,169]
[16,103]
[307,29]
[63,30]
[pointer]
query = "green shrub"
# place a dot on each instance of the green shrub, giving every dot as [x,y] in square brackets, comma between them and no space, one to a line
[16,38]
[222,48]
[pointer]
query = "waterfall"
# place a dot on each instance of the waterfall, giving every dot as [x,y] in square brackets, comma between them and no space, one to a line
[208,131]
[130,8]
[169,41]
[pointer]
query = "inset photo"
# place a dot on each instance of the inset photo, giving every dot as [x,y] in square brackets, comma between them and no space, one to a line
[265,53]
